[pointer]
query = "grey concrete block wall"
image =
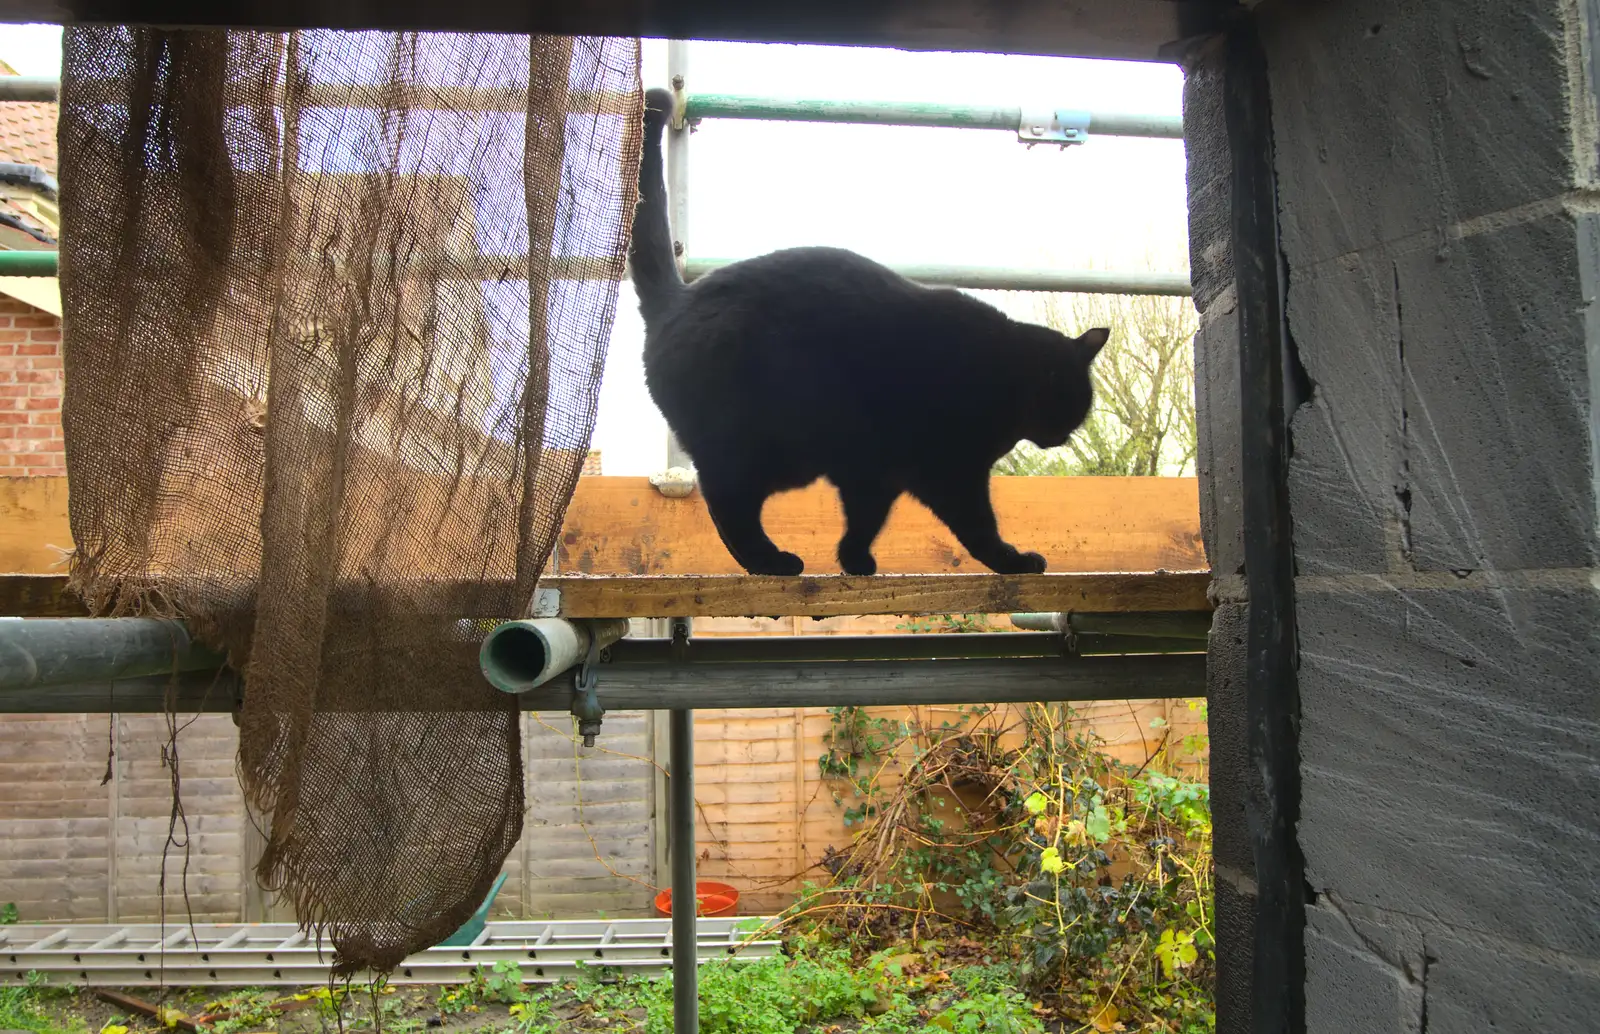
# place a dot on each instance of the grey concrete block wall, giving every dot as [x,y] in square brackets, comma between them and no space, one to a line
[1362,975]
[1448,740]
[1498,405]
[1477,983]
[1436,166]
[1399,119]
[1371,970]
[1347,479]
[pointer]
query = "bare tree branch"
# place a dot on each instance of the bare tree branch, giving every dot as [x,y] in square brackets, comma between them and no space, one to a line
[1143,422]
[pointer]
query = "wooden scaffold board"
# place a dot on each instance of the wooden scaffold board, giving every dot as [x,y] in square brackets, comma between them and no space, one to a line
[646,596]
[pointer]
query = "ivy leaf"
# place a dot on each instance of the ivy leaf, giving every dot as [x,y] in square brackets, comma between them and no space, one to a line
[1050,861]
[1036,803]
[1098,824]
[1176,951]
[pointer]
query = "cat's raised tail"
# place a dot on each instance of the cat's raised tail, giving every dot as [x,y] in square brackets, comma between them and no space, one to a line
[650,257]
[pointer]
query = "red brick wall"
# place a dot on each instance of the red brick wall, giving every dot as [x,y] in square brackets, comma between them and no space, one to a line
[30,392]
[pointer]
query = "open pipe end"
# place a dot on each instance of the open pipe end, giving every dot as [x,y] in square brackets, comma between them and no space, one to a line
[515,657]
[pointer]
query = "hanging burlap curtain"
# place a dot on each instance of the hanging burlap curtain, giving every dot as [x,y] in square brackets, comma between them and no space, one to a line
[330,380]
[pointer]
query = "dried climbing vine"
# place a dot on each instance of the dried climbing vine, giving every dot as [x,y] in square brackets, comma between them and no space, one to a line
[1009,837]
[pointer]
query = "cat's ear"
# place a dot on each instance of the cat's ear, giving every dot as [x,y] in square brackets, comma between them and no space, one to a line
[1092,341]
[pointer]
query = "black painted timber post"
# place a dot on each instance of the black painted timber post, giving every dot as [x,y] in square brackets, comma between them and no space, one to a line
[1272,800]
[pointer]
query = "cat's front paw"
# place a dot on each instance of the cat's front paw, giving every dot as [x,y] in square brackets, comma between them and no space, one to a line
[859,564]
[1017,562]
[781,564]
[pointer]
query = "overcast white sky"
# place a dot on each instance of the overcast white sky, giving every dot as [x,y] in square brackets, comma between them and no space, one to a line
[894,194]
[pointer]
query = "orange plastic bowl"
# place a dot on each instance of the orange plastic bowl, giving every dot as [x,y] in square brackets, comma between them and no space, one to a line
[711,899]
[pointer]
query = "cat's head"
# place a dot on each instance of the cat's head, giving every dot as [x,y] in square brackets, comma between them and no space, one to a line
[1060,389]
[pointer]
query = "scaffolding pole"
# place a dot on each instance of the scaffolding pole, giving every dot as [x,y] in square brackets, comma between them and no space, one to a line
[1000,278]
[1141,672]
[685,902]
[62,651]
[681,848]
[678,194]
[980,278]
[30,88]
[680,721]
[935,116]
[27,263]
[1029,125]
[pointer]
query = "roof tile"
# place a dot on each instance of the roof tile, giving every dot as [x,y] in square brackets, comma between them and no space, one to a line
[27,132]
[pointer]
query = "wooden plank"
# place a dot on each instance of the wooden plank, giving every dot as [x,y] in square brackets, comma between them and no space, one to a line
[741,595]
[34,533]
[735,595]
[38,596]
[621,525]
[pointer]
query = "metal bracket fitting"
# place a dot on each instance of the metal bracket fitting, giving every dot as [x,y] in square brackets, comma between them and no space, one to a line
[546,603]
[679,650]
[680,105]
[1062,126]
[586,705]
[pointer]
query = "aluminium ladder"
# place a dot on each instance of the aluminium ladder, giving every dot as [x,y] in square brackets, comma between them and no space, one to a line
[282,955]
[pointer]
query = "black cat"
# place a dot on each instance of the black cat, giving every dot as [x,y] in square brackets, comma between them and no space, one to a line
[816,362]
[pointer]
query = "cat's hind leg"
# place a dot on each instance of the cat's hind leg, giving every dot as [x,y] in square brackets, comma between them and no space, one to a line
[867,502]
[960,498]
[735,506]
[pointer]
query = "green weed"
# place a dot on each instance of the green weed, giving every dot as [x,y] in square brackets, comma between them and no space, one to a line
[248,1009]
[768,996]
[23,1008]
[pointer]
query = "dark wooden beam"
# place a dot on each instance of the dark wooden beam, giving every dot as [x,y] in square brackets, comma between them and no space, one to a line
[1140,30]
[1272,697]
